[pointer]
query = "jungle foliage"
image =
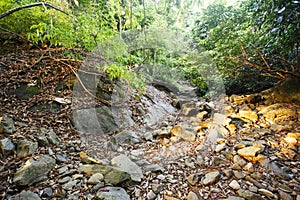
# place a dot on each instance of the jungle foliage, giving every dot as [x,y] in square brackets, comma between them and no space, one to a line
[253,43]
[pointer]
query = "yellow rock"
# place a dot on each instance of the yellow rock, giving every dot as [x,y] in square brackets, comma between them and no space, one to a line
[231,128]
[290,140]
[294,135]
[255,159]
[248,114]
[205,124]
[278,111]
[176,130]
[87,159]
[249,151]
[201,115]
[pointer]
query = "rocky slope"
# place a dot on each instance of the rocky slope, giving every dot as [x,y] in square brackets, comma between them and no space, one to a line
[238,147]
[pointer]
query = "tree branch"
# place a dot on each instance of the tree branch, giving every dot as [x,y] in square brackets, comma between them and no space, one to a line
[9,12]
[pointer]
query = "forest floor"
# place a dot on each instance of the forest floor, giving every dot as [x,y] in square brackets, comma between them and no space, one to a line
[239,147]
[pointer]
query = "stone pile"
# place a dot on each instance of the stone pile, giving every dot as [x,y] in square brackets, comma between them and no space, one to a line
[249,150]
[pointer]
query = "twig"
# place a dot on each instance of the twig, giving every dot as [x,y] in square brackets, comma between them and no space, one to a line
[243,50]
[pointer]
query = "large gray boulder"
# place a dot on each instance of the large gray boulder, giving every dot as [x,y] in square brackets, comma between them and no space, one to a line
[125,164]
[101,120]
[111,175]
[34,170]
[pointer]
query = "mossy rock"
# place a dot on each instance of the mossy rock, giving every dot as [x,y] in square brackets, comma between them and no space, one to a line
[53,107]
[288,91]
[25,91]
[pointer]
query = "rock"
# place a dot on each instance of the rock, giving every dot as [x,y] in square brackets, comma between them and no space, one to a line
[111,175]
[248,114]
[249,151]
[253,188]
[126,165]
[214,133]
[154,114]
[249,167]
[193,179]
[96,178]
[189,110]
[109,193]
[254,181]
[182,133]
[187,136]
[125,137]
[51,136]
[154,168]
[61,158]
[240,145]
[69,185]
[211,178]
[234,185]
[199,160]
[238,174]
[201,115]
[294,135]
[189,163]
[267,193]
[163,133]
[278,112]
[220,147]
[151,195]
[47,192]
[228,173]
[156,188]
[288,152]
[87,159]
[220,119]
[77,176]
[63,169]
[148,136]
[192,196]
[248,195]
[288,91]
[65,179]
[26,147]
[284,196]
[219,160]
[161,177]
[7,125]
[42,140]
[97,120]
[98,186]
[7,147]
[176,130]
[284,187]
[238,160]
[25,195]
[34,170]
